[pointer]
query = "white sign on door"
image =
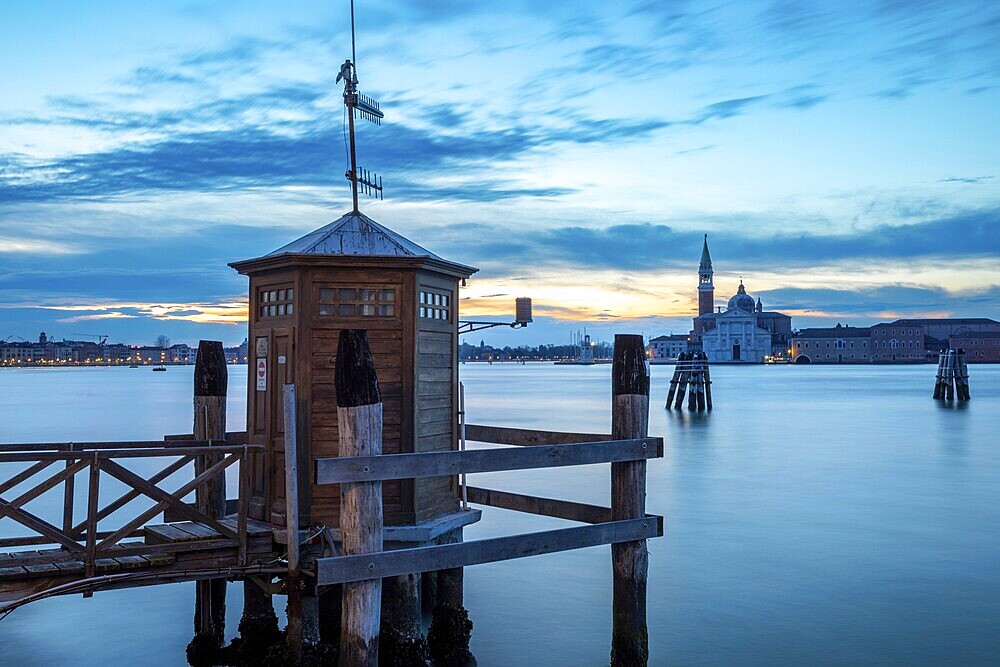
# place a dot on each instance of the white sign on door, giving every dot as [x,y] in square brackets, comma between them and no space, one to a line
[261,374]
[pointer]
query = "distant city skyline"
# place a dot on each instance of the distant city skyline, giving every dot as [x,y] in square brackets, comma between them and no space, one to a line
[842,158]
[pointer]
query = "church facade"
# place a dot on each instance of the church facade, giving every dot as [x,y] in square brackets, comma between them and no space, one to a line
[742,333]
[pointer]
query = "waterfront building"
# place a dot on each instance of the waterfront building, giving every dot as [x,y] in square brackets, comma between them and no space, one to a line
[832,345]
[919,340]
[182,353]
[667,347]
[982,347]
[744,331]
[148,354]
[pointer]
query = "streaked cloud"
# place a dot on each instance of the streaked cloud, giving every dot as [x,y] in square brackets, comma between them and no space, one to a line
[541,142]
[9,245]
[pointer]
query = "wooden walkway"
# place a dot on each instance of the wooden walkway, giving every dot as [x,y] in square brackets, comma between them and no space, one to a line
[80,554]
[167,553]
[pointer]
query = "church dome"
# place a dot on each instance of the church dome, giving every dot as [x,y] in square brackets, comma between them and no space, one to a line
[741,300]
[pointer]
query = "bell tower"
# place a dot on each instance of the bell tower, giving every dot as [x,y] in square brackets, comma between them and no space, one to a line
[706,290]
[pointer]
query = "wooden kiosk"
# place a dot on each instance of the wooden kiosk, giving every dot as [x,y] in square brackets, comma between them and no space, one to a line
[354,274]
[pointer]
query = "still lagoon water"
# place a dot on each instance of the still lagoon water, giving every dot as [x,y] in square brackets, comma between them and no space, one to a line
[818,516]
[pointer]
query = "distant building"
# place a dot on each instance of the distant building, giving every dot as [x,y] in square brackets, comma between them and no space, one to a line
[149,354]
[919,340]
[182,353]
[667,347]
[832,345]
[981,347]
[744,332]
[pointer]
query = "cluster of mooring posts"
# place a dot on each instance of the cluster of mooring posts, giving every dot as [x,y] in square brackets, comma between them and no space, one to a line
[691,376]
[952,376]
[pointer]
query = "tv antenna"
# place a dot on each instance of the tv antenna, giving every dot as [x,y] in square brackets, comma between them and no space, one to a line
[361,179]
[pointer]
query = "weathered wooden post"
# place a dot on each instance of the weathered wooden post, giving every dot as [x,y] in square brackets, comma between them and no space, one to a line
[675,378]
[451,629]
[211,380]
[359,419]
[949,375]
[682,381]
[962,376]
[699,384]
[939,381]
[630,560]
[708,381]
[402,641]
[303,607]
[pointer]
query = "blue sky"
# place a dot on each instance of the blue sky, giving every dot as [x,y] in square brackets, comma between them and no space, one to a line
[844,158]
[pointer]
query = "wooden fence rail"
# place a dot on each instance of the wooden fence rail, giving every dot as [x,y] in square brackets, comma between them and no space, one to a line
[82,540]
[342,569]
[438,464]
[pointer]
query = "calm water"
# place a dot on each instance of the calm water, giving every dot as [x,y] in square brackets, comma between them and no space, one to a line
[821,516]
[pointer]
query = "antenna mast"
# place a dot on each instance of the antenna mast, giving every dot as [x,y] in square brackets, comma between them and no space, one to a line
[369,183]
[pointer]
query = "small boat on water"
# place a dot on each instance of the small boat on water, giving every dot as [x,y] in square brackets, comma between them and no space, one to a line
[159,368]
[133,365]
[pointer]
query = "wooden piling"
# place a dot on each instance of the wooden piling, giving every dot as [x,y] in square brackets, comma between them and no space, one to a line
[630,560]
[675,378]
[949,374]
[682,381]
[708,381]
[699,384]
[303,606]
[961,376]
[359,418]
[211,379]
[939,381]
[451,630]
[401,640]
[693,386]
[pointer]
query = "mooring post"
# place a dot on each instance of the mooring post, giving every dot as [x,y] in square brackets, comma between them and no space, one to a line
[359,419]
[708,380]
[949,375]
[451,630]
[258,624]
[402,641]
[693,385]
[211,379]
[963,376]
[682,381]
[303,607]
[675,378]
[630,560]
[939,381]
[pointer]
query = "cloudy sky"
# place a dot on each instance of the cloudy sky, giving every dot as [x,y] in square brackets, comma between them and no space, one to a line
[843,158]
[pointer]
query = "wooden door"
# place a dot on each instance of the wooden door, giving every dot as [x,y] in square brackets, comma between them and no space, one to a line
[281,372]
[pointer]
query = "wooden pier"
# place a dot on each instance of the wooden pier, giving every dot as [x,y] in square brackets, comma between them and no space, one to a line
[151,533]
[138,551]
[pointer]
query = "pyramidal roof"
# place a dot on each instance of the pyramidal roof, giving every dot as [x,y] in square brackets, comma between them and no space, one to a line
[354,234]
[706,259]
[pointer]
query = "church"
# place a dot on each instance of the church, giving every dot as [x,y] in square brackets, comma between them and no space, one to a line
[744,331]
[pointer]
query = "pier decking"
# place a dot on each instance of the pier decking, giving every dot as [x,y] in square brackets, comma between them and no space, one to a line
[169,552]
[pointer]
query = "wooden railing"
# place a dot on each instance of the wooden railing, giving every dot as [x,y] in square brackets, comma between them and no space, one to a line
[83,541]
[577,451]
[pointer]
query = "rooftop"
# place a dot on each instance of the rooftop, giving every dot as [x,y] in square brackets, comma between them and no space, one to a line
[354,234]
[835,332]
[941,320]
